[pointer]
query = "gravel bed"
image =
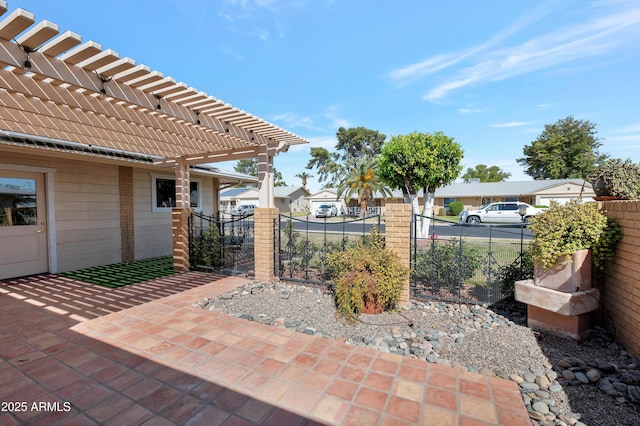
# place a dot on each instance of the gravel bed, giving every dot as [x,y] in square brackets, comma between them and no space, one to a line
[550,369]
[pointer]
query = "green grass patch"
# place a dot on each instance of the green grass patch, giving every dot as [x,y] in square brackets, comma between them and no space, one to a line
[121,274]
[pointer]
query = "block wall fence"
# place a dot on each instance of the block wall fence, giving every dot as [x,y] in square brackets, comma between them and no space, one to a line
[620,288]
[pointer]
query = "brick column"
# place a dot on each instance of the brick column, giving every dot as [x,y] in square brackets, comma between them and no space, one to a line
[180,234]
[127,243]
[264,250]
[398,219]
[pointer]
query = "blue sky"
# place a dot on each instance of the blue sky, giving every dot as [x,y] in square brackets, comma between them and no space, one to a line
[490,74]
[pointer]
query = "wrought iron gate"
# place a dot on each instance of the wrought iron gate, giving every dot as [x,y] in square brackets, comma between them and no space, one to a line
[478,264]
[221,244]
[301,244]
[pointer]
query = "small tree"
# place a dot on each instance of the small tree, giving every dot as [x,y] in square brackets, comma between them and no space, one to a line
[363,181]
[417,161]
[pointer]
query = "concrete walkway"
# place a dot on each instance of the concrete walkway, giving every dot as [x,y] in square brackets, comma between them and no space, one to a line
[142,354]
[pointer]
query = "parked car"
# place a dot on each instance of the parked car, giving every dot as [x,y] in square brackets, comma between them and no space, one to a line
[502,212]
[244,210]
[327,210]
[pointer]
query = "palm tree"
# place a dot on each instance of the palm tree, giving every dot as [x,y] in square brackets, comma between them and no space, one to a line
[363,181]
[304,176]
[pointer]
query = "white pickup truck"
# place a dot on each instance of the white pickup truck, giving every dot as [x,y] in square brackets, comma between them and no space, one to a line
[501,212]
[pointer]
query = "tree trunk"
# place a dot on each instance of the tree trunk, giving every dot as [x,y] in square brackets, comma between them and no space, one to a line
[427,212]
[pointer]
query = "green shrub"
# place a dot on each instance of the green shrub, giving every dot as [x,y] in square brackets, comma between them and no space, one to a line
[521,269]
[567,228]
[455,208]
[448,263]
[366,273]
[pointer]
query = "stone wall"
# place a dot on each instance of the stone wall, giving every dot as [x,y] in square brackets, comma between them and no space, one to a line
[621,286]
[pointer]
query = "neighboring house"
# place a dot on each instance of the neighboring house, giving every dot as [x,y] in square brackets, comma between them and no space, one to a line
[102,160]
[474,194]
[534,192]
[326,196]
[291,199]
[231,199]
[286,198]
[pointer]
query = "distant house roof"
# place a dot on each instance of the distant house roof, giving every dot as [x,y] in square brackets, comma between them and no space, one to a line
[234,192]
[286,191]
[507,188]
[488,189]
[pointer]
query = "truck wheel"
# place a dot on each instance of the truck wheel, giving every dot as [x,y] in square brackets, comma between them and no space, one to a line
[473,220]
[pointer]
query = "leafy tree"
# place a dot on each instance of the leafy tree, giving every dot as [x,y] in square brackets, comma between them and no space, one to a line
[353,144]
[249,167]
[486,174]
[304,176]
[326,165]
[364,182]
[417,161]
[566,149]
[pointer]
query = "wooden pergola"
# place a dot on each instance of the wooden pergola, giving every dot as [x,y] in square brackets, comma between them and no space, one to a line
[55,86]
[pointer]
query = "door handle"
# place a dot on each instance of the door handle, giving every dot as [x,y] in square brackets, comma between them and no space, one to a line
[39,231]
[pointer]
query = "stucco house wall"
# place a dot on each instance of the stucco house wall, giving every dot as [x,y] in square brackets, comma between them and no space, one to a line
[87,207]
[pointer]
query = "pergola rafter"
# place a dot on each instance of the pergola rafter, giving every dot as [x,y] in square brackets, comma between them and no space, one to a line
[57,87]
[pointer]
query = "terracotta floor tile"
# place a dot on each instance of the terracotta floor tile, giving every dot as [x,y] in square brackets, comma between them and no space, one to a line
[327,366]
[352,374]
[255,411]
[371,398]
[206,391]
[142,388]
[316,381]
[403,409]
[415,374]
[385,366]
[331,410]
[163,397]
[186,382]
[208,416]
[283,354]
[212,348]
[409,390]
[478,390]
[301,398]
[248,360]
[442,399]
[443,381]
[479,409]
[360,360]
[270,367]
[337,353]
[274,389]
[378,381]
[359,416]
[109,408]
[441,369]
[230,400]
[132,415]
[434,416]
[230,374]
[292,373]
[264,348]
[252,380]
[304,360]
[182,409]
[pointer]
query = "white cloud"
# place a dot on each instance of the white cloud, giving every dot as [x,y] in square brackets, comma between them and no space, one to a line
[411,73]
[493,61]
[511,124]
[572,43]
[471,110]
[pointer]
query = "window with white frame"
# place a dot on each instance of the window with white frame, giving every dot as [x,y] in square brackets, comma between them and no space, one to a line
[163,193]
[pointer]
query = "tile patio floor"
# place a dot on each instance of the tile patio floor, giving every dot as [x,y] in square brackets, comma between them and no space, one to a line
[143,355]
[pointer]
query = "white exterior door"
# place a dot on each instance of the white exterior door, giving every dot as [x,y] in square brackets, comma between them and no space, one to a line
[23,230]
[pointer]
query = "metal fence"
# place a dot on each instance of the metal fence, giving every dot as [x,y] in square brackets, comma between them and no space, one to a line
[471,264]
[222,244]
[302,243]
